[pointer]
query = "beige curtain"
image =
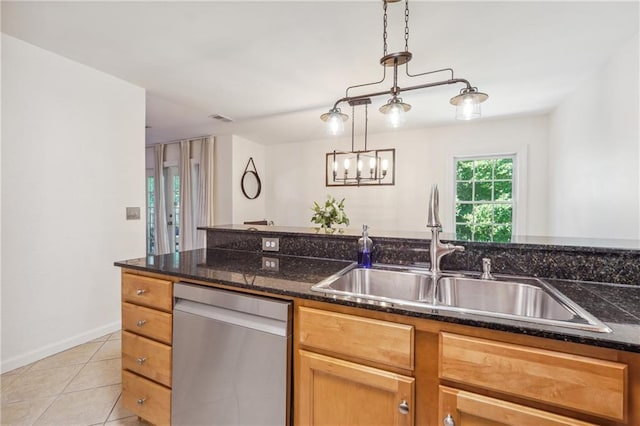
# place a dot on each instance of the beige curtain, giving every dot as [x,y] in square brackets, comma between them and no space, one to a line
[160,222]
[196,191]
[186,170]
[204,215]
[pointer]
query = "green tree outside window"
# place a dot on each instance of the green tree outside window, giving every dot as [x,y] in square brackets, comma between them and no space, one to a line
[484,199]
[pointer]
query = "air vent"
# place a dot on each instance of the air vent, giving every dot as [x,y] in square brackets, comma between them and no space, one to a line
[221,118]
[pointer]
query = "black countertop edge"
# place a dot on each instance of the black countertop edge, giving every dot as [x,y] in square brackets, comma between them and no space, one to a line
[184,266]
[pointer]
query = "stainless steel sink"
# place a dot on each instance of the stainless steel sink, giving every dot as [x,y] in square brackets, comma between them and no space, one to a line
[385,285]
[519,298]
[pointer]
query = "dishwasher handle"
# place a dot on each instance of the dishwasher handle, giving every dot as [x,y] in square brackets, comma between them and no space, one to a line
[229,316]
[250,304]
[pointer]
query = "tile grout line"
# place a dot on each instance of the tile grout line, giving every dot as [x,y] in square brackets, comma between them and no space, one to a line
[120,395]
[62,391]
[46,409]
[112,408]
[83,366]
[58,395]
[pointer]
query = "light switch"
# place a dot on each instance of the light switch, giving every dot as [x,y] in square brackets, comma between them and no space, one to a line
[133,213]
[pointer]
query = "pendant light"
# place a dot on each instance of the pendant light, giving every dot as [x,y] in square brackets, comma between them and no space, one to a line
[467,102]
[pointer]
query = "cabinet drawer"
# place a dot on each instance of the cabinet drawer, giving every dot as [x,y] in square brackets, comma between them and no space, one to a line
[479,409]
[368,339]
[146,357]
[152,292]
[580,383]
[146,399]
[147,322]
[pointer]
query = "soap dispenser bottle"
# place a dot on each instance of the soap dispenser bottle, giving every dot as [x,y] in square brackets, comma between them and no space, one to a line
[365,247]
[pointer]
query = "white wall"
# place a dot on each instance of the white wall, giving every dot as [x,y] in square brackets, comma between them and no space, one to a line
[596,154]
[223,200]
[423,157]
[243,208]
[231,157]
[73,159]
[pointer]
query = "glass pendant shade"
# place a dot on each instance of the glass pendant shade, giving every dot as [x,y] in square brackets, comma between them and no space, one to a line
[468,104]
[467,109]
[395,110]
[335,121]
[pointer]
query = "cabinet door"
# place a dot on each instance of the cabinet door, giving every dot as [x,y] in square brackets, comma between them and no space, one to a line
[470,409]
[336,392]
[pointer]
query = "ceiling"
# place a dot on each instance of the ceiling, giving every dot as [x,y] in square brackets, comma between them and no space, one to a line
[274,67]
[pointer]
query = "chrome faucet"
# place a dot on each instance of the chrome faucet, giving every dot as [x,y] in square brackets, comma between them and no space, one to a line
[437,250]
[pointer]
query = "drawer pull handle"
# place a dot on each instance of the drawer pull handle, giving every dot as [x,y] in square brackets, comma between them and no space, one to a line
[141,360]
[141,401]
[140,323]
[448,421]
[140,291]
[403,407]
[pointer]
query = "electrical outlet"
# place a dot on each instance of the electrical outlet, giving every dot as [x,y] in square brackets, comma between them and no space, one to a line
[271,244]
[270,264]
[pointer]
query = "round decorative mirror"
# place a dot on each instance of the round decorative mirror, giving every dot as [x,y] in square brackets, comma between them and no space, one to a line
[251,184]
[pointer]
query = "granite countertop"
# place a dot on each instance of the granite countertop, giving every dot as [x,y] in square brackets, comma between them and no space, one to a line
[617,305]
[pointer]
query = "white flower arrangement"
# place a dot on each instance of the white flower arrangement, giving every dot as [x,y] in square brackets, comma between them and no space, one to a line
[331,213]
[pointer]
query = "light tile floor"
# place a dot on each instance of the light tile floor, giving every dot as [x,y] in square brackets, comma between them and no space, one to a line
[78,387]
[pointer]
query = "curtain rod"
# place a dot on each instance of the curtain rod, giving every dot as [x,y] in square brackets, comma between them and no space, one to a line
[178,141]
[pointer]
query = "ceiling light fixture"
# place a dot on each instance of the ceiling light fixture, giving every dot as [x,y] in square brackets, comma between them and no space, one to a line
[467,102]
[360,167]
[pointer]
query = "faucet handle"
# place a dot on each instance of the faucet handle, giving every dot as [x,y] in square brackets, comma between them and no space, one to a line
[486,269]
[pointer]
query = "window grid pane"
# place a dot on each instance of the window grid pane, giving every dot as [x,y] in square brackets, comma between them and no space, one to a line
[484,199]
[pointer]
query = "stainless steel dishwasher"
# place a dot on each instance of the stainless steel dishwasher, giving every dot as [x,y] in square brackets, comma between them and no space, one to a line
[231,358]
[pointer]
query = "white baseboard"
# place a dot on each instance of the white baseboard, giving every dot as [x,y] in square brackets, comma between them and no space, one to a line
[54,348]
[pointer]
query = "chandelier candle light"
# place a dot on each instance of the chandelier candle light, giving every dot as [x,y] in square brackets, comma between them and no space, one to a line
[356,168]
[467,102]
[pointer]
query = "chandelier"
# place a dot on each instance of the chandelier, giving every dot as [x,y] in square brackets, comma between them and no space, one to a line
[467,102]
[360,168]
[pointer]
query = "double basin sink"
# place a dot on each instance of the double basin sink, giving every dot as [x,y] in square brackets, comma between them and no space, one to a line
[518,298]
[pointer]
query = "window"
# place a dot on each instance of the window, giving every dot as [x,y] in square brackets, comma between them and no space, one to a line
[172,194]
[485,204]
[172,207]
[174,210]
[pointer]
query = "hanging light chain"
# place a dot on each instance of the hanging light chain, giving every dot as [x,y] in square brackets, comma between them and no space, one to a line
[384,26]
[406,26]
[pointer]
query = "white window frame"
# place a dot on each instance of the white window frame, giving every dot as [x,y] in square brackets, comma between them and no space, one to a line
[517,224]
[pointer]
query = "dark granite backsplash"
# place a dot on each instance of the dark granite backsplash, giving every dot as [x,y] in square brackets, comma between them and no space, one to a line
[595,264]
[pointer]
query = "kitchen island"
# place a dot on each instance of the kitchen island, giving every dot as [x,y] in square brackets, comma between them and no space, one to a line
[407,365]
[617,305]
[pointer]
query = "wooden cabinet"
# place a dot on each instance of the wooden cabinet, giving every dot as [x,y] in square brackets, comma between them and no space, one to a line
[581,384]
[147,324]
[340,385]
[460,408]
[333,391]
[364,367]
[147,399]
[146,357]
